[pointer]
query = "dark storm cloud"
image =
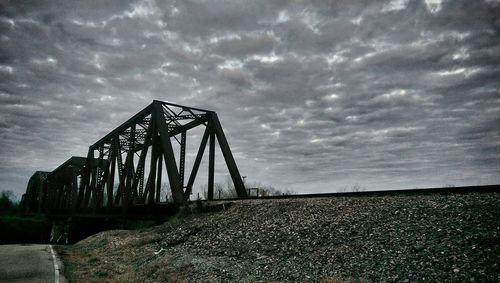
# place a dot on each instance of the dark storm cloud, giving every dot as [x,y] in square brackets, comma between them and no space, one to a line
[314,95]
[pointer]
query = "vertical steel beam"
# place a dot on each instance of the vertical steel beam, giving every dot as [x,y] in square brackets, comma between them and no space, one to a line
[149,193]
[228,156]
[41,197]
[67,192]
[182,158]
[111,180]
[196,164]
[158,180]
[211,162]
[48,202]
[168,154]
[129,194]
[127,176]
[56,194]
[150,185]
[104,180]
[74,190]
[139,174]
[61,198]
[99,180]
[83,182]
[121,169]
[89,188]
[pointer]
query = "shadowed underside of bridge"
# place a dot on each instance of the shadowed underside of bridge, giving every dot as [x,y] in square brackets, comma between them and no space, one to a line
[122,172]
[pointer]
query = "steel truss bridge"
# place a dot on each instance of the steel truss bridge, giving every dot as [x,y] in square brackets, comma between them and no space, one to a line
[122,172]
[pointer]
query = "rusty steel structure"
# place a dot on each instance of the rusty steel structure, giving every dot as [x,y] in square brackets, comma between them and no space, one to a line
[124,168]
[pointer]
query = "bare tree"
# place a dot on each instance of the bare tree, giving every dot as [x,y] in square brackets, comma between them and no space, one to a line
[357,188]
[354,188]
[165,192]
[267,190]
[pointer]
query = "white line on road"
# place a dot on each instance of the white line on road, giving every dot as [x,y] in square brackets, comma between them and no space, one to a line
[56,267]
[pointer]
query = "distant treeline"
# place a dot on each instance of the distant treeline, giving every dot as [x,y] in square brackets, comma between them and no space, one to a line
[17,228]
[8,203]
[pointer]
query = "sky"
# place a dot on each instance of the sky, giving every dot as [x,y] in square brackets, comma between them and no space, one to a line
[314,96]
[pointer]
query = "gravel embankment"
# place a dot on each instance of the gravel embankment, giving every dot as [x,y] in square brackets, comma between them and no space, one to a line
[427,238]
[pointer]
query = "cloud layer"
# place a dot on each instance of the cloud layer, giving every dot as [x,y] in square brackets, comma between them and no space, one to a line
[314,95]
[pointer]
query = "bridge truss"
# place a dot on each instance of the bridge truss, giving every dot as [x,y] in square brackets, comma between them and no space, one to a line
[124,168]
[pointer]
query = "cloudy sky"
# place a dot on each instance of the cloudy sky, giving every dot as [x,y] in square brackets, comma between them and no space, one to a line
[314,96]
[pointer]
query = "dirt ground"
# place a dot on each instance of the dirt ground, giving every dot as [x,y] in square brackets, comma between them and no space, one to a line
[426,238]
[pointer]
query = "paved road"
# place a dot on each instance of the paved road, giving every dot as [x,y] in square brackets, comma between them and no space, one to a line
[27,263]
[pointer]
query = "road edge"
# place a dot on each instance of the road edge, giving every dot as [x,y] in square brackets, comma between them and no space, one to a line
[58,267]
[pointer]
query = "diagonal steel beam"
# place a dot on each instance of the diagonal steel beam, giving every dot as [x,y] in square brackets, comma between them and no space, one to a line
[130,122]
[188,126]
[228,156]
[168,153]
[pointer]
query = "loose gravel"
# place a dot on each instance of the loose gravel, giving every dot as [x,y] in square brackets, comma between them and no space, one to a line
[423,238]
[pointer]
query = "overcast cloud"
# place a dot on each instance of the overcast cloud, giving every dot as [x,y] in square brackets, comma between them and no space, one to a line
[314,96]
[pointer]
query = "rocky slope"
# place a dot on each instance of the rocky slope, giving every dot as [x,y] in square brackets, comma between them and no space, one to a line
[426,238]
